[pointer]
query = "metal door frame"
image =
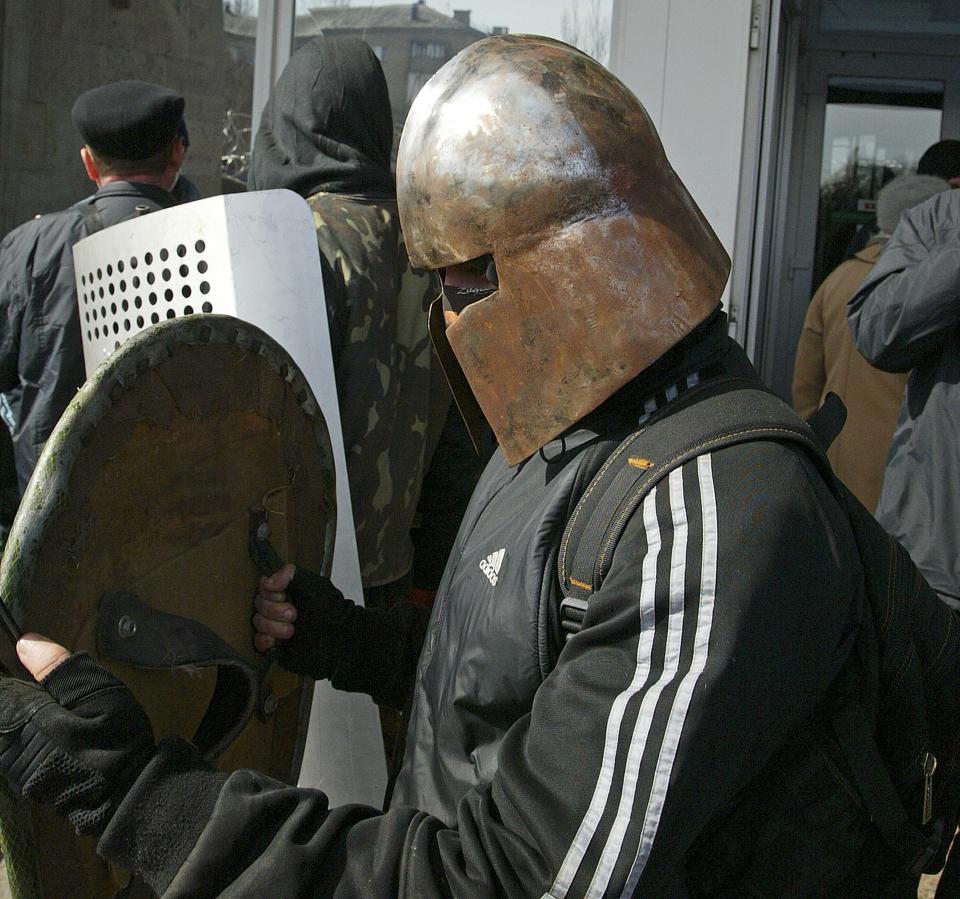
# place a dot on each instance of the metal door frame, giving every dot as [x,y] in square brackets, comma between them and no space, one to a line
[274,44]
[783,50]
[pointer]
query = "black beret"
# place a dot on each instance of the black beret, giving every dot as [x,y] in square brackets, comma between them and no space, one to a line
[128,119]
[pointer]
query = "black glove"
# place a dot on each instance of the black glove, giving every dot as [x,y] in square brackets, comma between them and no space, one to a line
[79,740]
[323,620]
[373,651]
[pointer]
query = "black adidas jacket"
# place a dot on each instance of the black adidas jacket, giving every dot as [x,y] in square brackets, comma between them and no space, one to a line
[670,748]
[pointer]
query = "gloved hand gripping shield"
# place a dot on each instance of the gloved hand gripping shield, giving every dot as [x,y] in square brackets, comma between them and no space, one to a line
[526,149]
[195,443]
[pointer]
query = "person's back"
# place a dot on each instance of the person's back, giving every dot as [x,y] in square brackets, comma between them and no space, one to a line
[133,154]
[326,133]
[905,317]
[827,360]
[392,398]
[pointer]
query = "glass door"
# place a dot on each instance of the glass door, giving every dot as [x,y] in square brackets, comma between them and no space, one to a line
[874,129]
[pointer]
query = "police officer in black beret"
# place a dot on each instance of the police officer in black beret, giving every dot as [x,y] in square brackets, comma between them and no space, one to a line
[134,145]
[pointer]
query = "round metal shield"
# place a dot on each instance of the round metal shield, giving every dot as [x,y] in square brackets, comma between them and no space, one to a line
[196,434]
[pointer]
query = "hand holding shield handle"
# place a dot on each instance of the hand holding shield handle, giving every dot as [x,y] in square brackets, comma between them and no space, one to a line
[320,611]
[289,594]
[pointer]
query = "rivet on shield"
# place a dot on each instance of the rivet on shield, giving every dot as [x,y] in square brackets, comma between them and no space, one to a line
[126,627]
[263,532]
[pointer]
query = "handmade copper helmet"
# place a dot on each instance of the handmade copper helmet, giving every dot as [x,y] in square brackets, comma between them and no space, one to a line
[525,148]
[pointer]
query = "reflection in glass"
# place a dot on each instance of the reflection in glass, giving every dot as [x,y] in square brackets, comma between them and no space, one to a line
[874,129]
[412,40]
[240,38]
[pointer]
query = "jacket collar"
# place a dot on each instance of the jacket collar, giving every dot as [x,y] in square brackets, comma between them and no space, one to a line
[871,251]
[134,189]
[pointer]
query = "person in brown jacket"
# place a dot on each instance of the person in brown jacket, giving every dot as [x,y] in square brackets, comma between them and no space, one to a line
[827,360]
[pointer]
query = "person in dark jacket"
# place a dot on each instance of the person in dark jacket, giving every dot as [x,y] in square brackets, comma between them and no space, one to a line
[906,317]
[674,745]
[133,152]
[326,133]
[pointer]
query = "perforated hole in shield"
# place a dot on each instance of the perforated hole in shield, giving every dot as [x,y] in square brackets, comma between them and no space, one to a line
[114,303]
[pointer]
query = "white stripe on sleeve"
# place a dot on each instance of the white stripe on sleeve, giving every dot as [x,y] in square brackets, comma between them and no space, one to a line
[671,664]
[668,751]
[598,803]
[639,738]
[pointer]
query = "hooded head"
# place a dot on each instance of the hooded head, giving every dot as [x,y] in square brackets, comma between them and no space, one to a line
[901,194]
[327,126]
[525,149]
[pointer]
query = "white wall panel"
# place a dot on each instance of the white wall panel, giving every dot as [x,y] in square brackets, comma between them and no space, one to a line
[638,48]
[686,60]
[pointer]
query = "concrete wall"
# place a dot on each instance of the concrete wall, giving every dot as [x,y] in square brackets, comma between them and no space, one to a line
[53,50]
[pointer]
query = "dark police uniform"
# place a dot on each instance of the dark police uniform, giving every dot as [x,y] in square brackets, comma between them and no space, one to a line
[41,353]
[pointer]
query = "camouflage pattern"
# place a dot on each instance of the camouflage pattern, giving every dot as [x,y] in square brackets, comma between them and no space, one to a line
[393,396]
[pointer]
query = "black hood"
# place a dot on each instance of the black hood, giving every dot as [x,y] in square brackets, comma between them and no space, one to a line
[327,125]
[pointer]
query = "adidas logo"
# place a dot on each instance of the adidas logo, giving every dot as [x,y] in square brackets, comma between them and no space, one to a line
[490,566]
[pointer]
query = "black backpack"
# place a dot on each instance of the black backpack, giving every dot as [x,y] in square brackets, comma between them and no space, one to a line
[903,755]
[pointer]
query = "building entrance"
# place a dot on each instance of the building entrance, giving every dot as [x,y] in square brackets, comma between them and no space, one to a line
[876,84]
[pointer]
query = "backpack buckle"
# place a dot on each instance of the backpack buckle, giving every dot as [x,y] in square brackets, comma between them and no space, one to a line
[572,611]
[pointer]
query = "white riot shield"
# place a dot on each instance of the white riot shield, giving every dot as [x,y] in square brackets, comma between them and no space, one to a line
[253,256]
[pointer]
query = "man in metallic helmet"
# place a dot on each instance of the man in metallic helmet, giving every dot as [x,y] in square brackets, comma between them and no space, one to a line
[536,156]
[659,733]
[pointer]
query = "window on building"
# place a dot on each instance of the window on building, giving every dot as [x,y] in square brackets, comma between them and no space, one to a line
[415,81]
[429,49]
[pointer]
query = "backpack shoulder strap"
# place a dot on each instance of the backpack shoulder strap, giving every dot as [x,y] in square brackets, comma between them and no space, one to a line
[716,414]
[723,413]
[94,222]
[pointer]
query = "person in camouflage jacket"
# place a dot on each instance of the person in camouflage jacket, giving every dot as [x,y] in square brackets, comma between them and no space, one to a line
[327,133]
